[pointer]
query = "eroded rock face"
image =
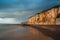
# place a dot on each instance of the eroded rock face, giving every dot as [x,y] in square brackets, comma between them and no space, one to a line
[49,17]
[45,18]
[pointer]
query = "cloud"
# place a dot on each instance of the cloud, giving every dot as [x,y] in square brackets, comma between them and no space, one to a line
[12,5]
[20,16]
[22,4]
[15,14]
[9,21]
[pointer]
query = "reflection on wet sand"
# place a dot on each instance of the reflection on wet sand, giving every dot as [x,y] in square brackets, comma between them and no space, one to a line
[49,31]
[17,32]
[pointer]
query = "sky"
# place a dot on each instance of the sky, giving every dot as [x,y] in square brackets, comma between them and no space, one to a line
[17,11]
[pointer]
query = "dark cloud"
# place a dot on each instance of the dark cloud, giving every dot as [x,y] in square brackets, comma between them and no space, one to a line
[27,4]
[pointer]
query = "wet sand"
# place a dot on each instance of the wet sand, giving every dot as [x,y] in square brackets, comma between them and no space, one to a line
[17,32]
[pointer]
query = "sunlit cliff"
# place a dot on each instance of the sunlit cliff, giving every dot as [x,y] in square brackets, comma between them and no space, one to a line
[46,17]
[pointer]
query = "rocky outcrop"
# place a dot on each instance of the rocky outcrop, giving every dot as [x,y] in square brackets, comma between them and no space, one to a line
[47,17]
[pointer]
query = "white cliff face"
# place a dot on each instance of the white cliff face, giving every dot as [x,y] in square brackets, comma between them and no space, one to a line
[58,21]
[46,17]
[59,10]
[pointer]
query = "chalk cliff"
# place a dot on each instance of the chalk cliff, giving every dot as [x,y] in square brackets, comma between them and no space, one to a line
[47,17]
